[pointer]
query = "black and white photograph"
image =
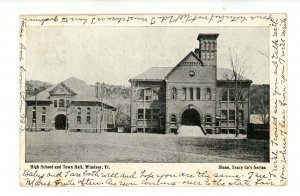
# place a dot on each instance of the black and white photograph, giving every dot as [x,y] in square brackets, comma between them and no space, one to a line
[142,94]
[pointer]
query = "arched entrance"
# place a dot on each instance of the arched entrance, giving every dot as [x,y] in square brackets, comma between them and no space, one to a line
[190,117]
[60,122]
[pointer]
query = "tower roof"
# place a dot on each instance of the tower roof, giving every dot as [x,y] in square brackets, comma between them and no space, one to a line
[208,35]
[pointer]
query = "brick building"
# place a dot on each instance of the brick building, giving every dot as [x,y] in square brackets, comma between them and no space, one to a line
[70,105]
[194,92]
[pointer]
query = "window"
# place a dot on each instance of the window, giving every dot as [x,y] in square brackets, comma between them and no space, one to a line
[68,103]
[78,119]
[155,95]
[224,115]
[141,94]
[241,115]
[191,93]
[204,45]
[43,119]
[43,115]
[155,114]
[207,55]
[231,95]
[88,111]
[33,115]
[184,93]
[174,93]
[213,46]
[140,114]
[208,120]
[55,103]
[88,117]
[202,55]
[173,118]
[212,55]
[148,114]
[148,94]
[88,120]
[225,96]
[198,94]
[208,46]
[61,103]
[208,94]
[231,115]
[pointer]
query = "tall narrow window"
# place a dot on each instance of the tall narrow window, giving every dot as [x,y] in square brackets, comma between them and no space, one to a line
[55,103]
[184,93]
[204,45]
[198,94]
[213,46]
[208,94]
[141,94]
[33,115]
[225,95]
[140,114]
[174,93]
[241,115]
[44,115]
[148,114]
[61,103]
[191,93]
[231,115]
[88,115]
[212,55]
[78,118]
[202,55]
[231,95]
[148,94]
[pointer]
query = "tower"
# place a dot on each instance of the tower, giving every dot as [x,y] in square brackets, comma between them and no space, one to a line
[208,48]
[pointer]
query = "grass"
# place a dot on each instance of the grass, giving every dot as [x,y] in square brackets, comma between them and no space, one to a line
[136,148]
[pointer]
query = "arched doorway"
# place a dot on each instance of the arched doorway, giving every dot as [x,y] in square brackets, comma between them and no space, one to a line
[190,117]
[60,122]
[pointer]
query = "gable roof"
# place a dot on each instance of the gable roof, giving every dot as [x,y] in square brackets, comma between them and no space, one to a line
[83,91]
[153,74]
[194,59]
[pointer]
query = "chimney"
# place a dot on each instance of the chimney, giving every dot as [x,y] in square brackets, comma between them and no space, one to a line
[97,90]
[207,51]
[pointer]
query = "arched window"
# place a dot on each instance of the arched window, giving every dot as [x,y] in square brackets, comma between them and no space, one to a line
[208,94]
[208,120]
[202,55]
[33,115]
[184,93]
[204,45]
[43,115]
[173,118]
[88,115]
[198,93]
[225,96]
[78,118]
[212,55]
[61,103]
[174,94]
[191,93]
[207,46]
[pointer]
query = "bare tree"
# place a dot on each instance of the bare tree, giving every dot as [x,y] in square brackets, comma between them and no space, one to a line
[236,80]
[261,97]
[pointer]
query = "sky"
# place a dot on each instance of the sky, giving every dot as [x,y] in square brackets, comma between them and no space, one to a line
[113,55]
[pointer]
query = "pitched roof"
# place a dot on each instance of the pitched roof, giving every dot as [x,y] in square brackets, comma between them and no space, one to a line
[84,92]
[225,73]
[153,74]
[159,74]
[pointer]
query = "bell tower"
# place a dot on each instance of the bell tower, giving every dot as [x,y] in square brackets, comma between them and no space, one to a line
[208,48]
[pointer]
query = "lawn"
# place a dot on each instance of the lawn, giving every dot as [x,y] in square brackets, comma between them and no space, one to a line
[138,148]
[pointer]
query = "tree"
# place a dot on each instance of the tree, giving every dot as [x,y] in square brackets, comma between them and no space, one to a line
[261,102]
[236,80]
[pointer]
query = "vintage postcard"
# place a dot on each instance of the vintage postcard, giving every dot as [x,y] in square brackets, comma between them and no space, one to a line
[153,100]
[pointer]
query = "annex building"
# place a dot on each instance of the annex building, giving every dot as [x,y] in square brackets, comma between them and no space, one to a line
[193,93]
[70,105]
